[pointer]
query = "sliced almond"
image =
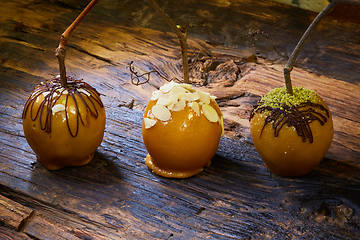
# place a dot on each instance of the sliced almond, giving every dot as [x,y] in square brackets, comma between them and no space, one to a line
[210,113]
[148,122]
[167,87]
[173,98]
[156,94]
[204,97]
[190,97]
[161,112]
[187,86]
[164,100]
[195,107]
[57,108]
[178,106]
[178,90]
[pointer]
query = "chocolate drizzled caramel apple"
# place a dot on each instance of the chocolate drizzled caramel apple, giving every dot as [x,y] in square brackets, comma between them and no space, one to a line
[64,126]
[292,128]
[292,133]
[64,118]
[181,130]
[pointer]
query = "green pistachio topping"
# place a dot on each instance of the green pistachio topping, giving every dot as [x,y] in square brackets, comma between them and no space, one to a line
[278,96]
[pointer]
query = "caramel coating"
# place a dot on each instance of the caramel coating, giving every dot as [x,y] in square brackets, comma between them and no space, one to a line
[73,135]
[182,146]
[288,154]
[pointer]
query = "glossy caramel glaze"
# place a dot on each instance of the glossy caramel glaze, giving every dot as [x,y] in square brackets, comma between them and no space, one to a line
[64,126]
[285,150]
[182,146]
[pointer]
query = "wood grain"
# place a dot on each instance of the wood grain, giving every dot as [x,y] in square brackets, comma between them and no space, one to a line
[8,234]
[13,214]
[116,196]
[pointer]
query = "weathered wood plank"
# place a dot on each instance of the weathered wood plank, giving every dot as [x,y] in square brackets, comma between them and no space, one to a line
[13,214]
[116,196]
[8,234]
[43,228]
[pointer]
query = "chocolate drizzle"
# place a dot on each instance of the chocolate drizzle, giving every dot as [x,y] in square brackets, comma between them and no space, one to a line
[52,91]
[299,117]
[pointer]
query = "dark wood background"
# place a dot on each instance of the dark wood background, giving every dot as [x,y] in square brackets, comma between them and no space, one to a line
[237,50]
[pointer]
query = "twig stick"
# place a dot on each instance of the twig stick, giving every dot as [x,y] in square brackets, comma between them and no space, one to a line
[60,50]
[290,63]
[181,36]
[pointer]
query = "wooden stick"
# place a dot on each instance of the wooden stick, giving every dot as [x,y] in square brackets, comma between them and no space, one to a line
[291,61]
[181,36]
[60,50]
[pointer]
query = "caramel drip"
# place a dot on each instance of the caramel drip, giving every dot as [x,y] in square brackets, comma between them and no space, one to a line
[54,86]
[294,116]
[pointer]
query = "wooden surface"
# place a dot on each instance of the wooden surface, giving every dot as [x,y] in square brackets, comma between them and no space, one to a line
[13,214]
[116,196]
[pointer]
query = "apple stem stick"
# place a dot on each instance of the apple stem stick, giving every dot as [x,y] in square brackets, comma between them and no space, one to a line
[180,33]
[60,50]
[291,61]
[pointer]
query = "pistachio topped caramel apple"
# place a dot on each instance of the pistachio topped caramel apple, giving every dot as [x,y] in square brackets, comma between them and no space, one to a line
[292,128]
[292,133]
[64,118]
[181,130]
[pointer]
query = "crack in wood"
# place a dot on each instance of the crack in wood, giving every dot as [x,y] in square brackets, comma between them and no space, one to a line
[80,49]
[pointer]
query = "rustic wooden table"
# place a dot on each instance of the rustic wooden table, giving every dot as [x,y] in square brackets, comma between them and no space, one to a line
[237,50]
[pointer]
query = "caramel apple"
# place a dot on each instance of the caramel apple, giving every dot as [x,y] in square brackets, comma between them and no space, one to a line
[64,118]
[292,128]
[64,125]
[292,133]
[181,130]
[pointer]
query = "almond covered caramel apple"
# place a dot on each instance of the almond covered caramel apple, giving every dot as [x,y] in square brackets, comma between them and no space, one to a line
[181,130]
[292,133]
[64,125]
